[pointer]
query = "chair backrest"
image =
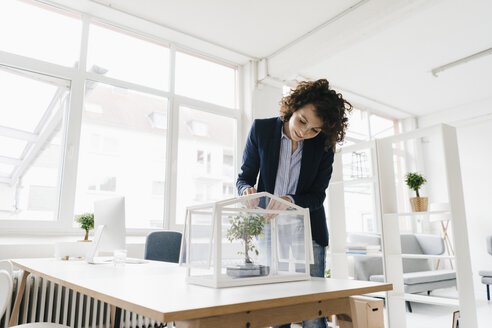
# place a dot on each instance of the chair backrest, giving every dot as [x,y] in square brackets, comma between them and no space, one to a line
[410,245]
[489,244]
[5,290]
[365,267]
[163,246]
[7,266]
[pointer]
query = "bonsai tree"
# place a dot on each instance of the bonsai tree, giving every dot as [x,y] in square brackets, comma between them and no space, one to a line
[86,221]
[244,228]
[415,181]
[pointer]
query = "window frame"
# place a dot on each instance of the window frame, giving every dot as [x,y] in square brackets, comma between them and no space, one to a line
[78,76]
[369,144]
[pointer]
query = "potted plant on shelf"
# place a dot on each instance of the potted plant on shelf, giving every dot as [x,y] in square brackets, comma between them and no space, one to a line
[244,228]
[86,221]
[415,181]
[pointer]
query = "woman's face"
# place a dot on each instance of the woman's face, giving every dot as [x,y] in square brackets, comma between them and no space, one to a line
[304,124]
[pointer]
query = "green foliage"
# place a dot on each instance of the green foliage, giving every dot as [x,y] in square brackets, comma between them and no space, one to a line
[414,181]
[328,273]
[86,221]
[244,228]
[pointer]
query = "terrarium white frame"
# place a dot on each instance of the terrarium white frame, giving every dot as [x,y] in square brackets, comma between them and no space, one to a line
[218,280]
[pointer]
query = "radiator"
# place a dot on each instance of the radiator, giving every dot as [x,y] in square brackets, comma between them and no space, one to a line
[45,301]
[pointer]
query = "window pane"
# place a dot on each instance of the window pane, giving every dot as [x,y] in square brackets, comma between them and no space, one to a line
[205,140]
[43,32]
[125,56]
[357,165]
[359,208]
[122,152]
[358,126]
[205,80]
[11,147]
[31,143]
[381,127]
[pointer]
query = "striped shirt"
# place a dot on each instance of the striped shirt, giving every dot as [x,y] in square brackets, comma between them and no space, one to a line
[289,167]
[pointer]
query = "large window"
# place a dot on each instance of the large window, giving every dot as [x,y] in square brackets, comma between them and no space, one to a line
[32,129]
[69,136]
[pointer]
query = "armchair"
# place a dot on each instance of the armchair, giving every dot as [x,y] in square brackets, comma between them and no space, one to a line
[418,275]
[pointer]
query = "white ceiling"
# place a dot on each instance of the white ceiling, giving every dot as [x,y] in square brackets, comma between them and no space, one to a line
[255,28]
[395,64]
[383,50]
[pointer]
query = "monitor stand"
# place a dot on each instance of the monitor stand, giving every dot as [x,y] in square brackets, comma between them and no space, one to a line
[91,255]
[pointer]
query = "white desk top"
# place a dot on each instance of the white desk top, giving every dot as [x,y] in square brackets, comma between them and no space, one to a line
[158,290]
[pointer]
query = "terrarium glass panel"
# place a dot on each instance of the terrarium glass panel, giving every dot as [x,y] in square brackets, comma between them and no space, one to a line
[252,239]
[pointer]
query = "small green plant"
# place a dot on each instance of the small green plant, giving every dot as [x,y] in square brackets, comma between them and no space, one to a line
[86,221]
[328,273]
[414,181]
[244,228]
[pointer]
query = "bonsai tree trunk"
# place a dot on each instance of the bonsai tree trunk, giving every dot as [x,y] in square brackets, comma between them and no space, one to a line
[246,255]
[417,191]
[86,235]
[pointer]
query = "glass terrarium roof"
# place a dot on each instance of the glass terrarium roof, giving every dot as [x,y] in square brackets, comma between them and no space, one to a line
[252,201]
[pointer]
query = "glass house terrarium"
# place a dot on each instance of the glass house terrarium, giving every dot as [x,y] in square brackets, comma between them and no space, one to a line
[253,239]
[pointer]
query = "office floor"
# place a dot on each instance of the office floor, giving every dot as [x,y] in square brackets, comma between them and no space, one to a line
[435,316]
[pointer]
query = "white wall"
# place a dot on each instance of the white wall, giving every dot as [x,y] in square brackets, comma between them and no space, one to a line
[474,131]
[258,101]
[28,246]
[266,100]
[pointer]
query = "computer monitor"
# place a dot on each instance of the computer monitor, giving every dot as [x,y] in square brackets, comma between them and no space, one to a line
[109,222]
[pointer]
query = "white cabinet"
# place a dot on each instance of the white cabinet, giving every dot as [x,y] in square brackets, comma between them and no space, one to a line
[391,205]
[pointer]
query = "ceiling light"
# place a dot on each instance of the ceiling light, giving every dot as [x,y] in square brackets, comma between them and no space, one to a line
[466,59]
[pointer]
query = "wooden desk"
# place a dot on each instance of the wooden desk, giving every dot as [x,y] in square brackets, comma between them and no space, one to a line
[158,290]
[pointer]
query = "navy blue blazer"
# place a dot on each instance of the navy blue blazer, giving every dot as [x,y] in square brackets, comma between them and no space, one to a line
[261,155]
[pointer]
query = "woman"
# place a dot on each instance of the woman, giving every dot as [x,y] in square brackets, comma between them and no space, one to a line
[294,153]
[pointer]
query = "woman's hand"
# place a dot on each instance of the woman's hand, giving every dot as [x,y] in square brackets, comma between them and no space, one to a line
[276,205]
[252,203]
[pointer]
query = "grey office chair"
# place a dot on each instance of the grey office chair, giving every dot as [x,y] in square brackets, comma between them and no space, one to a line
[163,246]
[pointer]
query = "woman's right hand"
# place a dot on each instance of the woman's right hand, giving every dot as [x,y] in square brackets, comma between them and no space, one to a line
[252,203]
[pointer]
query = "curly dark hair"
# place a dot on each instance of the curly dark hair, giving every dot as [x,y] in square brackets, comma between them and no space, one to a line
[330,106]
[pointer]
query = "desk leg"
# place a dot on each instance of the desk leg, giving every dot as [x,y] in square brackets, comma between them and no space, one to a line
[18,299]
[115,316]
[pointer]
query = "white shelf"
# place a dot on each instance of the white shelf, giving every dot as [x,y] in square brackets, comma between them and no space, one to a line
[370,254]
[422,299]
[432,300]
[404,256]
[388,210]
[417,213]
[426,256]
